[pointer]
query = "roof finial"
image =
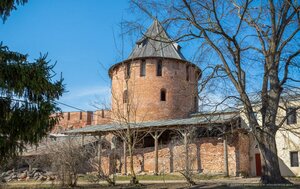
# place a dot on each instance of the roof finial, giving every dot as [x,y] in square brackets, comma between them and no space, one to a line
[155,19]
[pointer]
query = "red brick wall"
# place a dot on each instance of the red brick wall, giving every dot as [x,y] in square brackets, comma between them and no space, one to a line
[205,154]
[101,117]
[73,120]
[144,92]
[244,150]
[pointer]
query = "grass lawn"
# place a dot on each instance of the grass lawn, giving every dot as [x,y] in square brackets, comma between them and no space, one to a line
[152,177]
[204,181]
[148,186]
[160,177]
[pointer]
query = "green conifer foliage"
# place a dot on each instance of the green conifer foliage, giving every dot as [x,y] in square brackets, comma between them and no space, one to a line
[27,96]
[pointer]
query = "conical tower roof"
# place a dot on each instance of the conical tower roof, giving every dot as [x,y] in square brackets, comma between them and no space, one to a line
[156,43]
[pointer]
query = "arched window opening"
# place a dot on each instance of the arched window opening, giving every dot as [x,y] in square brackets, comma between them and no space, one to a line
[127,75]
[125,96]
[159,68]
[163,93]
[143,68]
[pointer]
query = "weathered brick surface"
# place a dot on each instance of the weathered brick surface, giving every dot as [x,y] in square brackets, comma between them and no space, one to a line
[206,155]
[73,120]
[244,153]
[101,117]
[144,92]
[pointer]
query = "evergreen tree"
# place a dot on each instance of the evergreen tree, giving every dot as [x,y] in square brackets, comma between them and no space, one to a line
[27,96]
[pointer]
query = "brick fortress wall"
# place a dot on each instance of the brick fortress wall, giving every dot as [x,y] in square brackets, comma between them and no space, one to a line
[75,120]
[205,154]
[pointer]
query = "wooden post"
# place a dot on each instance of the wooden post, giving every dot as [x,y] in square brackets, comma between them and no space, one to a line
[156,151]
[29,161]
[82,140]
[156,136]
[30,167]
[99,152]
[198,157]
[186,147]
[226,157]
[125,157]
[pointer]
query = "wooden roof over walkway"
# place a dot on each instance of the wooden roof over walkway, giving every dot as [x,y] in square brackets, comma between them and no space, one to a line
[203,120]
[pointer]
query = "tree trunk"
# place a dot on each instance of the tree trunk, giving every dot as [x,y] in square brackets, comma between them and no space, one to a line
[133,179]
[186,152]
[187,172]
[270,169]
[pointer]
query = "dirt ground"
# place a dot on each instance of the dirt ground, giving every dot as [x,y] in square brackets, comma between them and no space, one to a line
[232,183]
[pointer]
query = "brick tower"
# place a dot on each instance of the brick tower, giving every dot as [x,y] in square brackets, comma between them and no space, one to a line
[156,82]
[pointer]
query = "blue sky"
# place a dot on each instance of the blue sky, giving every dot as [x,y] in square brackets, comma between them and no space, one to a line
[79,35]
[83,37]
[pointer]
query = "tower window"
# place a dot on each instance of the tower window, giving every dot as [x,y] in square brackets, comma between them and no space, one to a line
[291,114]
[144,42]
[294,159]
[163,95]
[69,116]
[196,103]
[127,75]
[125,96]
[187,73]
[80,115]
[143,68]
[159,68]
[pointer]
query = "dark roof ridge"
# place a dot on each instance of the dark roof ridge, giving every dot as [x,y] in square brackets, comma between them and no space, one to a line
[156,42]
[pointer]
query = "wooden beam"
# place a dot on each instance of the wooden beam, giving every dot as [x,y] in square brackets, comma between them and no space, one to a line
[124,157]
[186,134]
[186,149]
[99,152]
[226,170]
[156,136]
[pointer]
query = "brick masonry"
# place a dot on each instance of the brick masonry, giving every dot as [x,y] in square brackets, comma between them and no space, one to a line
[206,155]
[75,120]
[144,91]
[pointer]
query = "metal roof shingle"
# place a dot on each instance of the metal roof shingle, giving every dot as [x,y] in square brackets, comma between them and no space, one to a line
[156,43]
[207,119]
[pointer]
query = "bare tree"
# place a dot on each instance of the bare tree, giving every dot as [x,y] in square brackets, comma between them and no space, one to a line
[186,136]
[125,107]
[68,158]
[256,48]
[96,163]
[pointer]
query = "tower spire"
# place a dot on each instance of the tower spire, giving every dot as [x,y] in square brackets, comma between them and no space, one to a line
[156,43]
